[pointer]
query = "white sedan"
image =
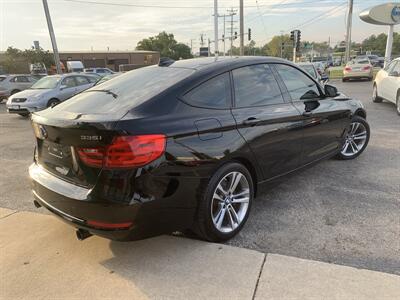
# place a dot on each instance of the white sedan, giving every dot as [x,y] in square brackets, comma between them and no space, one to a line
[387,84]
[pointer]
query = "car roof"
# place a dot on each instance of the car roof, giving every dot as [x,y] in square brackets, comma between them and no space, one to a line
[209,63]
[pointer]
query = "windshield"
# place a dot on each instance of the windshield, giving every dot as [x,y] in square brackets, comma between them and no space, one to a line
[125,91]
[49,82]
[2,78]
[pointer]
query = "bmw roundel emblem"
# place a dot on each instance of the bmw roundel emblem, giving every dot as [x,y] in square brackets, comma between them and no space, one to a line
[396,14]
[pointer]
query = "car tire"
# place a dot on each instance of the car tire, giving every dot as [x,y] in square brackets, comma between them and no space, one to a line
[14,92]
[375,97]
[52,102]
[215,221]
[398,103]
[356,140]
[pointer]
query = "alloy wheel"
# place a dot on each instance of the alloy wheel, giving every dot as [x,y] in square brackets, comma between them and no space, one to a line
[355,139]
[230,202]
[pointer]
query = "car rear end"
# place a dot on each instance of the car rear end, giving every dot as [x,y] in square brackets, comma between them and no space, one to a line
[358,69]
[98,176]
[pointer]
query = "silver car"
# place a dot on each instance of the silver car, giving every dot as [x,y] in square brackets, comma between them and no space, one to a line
[49,91]
[11,84]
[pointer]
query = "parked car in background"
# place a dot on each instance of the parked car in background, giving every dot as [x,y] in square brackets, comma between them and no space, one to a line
[373,59]
[74,66]
[107,78]
[312,70]
[48,91]
[100,71]
[358,69]
[387,84]
[11,84]
[186,145]
[381,61]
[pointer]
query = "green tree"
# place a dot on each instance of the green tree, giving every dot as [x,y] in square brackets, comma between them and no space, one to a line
[377,44]
[273,48]
[166,44]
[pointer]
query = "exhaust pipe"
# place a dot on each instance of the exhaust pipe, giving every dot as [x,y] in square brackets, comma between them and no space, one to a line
[37,204]
[82,234]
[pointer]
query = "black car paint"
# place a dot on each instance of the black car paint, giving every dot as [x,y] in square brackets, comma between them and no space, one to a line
[161,197]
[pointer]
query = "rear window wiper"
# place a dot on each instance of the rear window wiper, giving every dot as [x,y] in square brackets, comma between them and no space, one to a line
[103,91]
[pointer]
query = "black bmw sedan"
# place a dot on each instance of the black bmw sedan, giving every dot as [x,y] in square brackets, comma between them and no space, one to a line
[186,145]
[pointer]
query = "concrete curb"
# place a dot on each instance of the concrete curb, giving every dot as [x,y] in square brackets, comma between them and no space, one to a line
[41,258]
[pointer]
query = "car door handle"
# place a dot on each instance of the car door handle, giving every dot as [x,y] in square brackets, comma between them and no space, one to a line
[251,121]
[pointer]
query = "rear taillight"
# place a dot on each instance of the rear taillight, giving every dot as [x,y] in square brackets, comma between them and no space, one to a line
[347,68]
[125,152]
[367,68]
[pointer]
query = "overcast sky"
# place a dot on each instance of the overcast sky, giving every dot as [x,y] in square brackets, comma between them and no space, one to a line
[80,25]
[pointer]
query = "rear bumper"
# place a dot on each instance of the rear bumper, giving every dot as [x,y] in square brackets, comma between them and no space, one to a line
[358,75]
[77,205]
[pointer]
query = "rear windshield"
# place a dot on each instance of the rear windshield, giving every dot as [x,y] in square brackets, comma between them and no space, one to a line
[125,91]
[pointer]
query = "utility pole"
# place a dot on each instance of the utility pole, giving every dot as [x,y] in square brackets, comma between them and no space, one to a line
[52,37]
[231,13]
[241,29]
[209,44]
[224,35]
[348,31]
[282,43]
[216,27]
[389,45]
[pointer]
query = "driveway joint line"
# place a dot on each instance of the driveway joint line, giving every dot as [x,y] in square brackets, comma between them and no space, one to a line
[6,216]
[259,276]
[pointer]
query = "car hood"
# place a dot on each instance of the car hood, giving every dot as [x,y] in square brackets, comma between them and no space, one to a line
[32,93]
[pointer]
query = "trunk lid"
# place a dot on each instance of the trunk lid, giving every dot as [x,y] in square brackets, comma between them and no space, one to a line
[58,142]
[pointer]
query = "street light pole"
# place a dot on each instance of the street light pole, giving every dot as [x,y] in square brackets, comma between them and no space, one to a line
[52,37]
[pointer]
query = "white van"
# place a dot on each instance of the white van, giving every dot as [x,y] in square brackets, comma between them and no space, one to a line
[74,66]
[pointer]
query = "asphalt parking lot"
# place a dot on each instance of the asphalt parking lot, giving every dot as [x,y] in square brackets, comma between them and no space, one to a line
[343,212]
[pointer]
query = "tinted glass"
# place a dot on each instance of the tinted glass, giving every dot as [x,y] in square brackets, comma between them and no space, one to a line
[100,71]
[69,82]
[81,80]
[22,79]
[397,68]
[256,86]
[213,93]
[131,89]
[300,86]
[2,78]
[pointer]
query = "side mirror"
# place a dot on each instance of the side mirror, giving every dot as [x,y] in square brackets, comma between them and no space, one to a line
[394,74]
[330,90]
[63,87]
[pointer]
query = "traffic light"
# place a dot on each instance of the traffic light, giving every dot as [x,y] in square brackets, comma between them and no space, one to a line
[235,35]
[298,39]
[292,35]
[249,34]
[223,37]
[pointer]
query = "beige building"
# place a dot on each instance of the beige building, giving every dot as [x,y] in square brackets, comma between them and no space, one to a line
[110,59]
[92,59]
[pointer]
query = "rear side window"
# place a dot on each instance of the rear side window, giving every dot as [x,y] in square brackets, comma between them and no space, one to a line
[256,86]
[299,86]
[214,93]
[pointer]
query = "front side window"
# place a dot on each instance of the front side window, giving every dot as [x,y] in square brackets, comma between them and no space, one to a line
[392,67]
[69,82]
[81,80]
[213,93]
[299,85]
[256,86]
[22,79]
